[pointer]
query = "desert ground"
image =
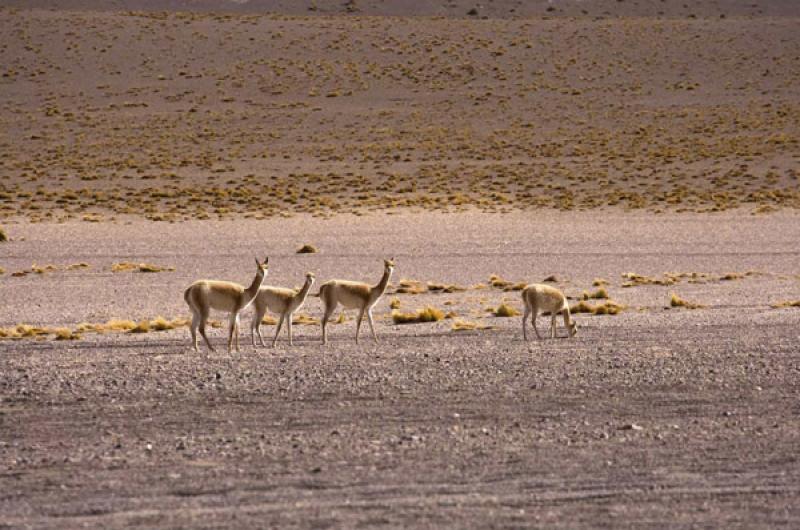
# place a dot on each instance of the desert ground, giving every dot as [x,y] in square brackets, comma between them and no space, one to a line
[642,156]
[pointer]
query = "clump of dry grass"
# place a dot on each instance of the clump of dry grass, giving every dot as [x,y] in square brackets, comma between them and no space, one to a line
[498,282]
[677,301]
[551,279]
[3,235]
[305,319]
[599,282]
[600,294]
[394,303]
[427,314]
[307,249]
[609,307]
[445,288]
[505,310]
[81,265]
[466,325]
[142,327]
[411,287]
[66,334]
[786,303]
[127,266]
[41,269]
[634,280]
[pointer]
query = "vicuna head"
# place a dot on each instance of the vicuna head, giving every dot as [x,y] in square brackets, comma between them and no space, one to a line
[388,264]
[310,276]
[573,328]
[263,268]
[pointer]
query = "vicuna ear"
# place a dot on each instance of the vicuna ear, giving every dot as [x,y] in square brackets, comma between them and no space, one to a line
[258,263]
[266,260]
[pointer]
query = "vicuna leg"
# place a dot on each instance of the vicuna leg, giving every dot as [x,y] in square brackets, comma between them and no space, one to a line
[534,315]
[255,325]
[553,325]
[203,320]
[371,326]
[231,330]
[277,331]
[358,324]
[195,324]
[329,309]
[524,321]
[289,327]
[567,320]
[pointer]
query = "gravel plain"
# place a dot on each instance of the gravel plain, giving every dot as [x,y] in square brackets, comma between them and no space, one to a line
[653,417]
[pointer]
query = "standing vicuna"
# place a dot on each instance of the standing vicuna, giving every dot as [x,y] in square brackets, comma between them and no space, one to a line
[204,295]
[353,295]
[280,301]
[538,297]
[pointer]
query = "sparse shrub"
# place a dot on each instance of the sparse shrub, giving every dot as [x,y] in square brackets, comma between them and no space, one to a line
[600,294]
[411,287]
[551,279]
[427,314]
[127,266]
[75,266]
[677,301]
[394,303]
[3,235]
[141,327]
[498,282]
[609,307]
[307,249]
[786,303]
[66,334]
[505,310]
[466,325]
[305,319]
[599,282]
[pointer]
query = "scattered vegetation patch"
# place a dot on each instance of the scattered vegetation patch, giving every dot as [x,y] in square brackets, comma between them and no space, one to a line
[127,266]
[66,334]
[551,279]
[307,249]
[305,320]
[505,310]
[427,314]
[76,266]
[394,303]
[411,287]
[466,325]
[445,288]
[599,282]
[634,280]
[3,235]
[600,294]
[677,301]
[786,303]
[609,307]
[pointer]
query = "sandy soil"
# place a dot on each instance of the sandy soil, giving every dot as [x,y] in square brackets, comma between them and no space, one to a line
[176,115]
[665,417]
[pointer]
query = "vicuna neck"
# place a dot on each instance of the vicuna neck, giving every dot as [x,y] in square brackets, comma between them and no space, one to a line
[252,291]
[304,291]
[381,287]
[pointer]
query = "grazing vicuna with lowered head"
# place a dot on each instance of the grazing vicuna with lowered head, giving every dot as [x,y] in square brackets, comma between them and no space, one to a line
[546,299]
[205,295]
[353,295]
[283,302]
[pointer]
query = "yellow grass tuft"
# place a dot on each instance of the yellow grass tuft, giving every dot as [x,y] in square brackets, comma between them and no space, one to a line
[466,325]
[3,235]
[505,310]
[307,249]
[677,301]
[411,287]
[66,334]
[786,303]
[394,303]
[304,319]
[141,327]
[75,266]
[127,266]
[427,314]
[609,307]
[600,294]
